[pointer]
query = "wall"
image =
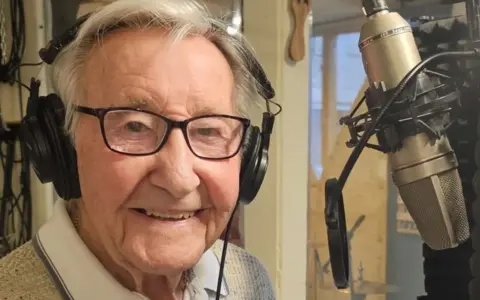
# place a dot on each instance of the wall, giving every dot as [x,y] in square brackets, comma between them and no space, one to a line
[275,225]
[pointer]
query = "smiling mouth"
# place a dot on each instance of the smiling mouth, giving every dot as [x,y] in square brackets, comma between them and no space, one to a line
[167,216]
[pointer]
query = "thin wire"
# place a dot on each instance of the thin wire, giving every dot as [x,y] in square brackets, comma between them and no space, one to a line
[277,105]
[267,105]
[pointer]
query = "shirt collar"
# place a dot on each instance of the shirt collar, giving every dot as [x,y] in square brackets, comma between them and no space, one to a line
[79,275]
[207,271]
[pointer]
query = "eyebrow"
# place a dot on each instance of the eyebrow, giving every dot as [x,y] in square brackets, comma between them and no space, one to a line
[205,110]
[141,103]
[151,105]
[137,102]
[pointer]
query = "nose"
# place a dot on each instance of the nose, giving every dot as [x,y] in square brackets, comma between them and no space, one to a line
[174,169]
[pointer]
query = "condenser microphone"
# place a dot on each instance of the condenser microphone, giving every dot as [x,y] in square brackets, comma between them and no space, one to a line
[423,165]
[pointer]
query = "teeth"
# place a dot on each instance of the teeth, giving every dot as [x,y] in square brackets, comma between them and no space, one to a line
[180,216]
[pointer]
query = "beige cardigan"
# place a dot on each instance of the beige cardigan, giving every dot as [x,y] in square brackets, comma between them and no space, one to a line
[25,274]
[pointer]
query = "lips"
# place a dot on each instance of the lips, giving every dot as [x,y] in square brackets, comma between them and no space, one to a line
[167,216]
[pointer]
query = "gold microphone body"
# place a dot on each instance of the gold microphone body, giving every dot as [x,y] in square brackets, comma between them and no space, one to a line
[423,168]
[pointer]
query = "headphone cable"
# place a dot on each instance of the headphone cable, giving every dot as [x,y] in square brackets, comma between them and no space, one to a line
[224,253]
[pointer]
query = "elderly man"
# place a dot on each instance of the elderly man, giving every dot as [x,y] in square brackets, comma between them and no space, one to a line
[155,94]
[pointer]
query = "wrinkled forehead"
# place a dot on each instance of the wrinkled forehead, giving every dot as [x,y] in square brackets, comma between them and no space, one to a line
[145,67]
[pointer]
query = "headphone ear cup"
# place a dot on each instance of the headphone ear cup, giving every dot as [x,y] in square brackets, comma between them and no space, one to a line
[254,166]
[50,149]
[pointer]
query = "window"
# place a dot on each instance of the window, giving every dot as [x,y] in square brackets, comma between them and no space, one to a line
[350,78]
[316,48]
[350,71]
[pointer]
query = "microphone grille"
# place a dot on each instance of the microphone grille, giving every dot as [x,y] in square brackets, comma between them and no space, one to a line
[437,206]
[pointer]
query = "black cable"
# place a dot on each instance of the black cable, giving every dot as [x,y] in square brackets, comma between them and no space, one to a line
[20,93]
[18,40]
[224,253]
[26,192]
[13,203]
[7,196]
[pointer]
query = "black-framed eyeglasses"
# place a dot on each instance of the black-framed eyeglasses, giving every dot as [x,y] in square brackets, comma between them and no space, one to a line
[138,132]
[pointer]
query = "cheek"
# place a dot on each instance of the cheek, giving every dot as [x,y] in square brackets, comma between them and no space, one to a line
[106,175]
[222,182]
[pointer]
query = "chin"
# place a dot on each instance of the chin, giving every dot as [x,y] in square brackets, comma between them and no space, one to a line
[166,259]
[160,254]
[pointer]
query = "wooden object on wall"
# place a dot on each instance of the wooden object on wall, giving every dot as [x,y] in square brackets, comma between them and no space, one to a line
[365,193]
[300,10]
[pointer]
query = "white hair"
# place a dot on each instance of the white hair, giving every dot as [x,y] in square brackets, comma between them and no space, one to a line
[181,18]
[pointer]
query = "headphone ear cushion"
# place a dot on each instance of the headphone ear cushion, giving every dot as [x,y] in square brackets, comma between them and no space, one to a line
[254,163]
[66,180]
[33,129]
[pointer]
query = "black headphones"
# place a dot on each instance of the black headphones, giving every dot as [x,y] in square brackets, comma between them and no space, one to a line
[54,158]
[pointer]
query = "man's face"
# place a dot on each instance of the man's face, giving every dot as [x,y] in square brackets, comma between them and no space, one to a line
[178,81]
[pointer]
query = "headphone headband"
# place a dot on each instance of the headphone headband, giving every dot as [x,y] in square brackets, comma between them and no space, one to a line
[49,53]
